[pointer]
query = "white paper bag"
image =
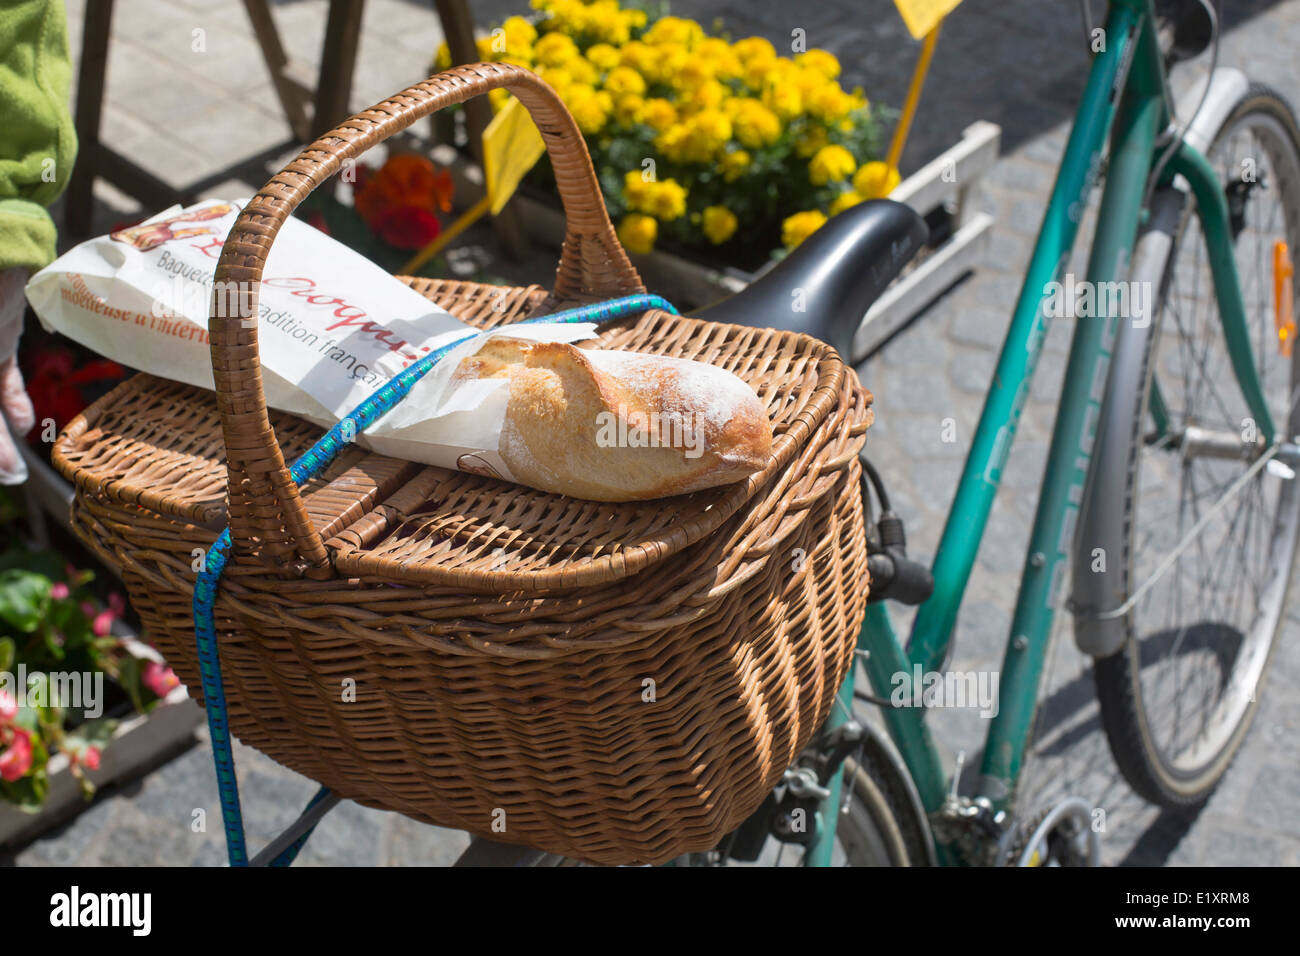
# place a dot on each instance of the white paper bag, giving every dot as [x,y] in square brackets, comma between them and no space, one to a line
[332,328]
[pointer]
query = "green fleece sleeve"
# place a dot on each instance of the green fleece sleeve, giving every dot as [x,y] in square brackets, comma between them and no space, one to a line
[38,143]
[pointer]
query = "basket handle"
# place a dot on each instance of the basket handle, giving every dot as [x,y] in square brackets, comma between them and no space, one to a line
[265,510]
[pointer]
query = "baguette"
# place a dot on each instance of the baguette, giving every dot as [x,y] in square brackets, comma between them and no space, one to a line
[620,426]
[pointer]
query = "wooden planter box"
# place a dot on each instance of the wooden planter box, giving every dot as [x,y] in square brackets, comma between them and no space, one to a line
[943,188]
[138,742]
[136,745]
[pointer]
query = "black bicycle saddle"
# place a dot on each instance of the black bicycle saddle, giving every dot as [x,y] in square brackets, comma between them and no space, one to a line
[826,285]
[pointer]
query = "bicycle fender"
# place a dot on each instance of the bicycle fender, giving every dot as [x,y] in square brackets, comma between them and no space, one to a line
[1103,539]
[1226,88]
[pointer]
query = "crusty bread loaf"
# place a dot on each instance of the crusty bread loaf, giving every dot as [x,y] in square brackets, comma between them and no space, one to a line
[620,426]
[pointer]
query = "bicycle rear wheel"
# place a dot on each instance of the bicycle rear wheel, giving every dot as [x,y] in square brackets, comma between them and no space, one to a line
[1202,530]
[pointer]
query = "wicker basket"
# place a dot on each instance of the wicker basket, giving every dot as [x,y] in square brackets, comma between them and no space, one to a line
[625,681]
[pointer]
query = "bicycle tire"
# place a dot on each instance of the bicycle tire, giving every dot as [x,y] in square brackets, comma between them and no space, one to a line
[1175,773]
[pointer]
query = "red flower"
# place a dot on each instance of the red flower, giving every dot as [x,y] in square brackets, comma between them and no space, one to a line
[159,678]
[53,381]
[17,760]
[407,227]
[398,201]
[59,591]
[8,707]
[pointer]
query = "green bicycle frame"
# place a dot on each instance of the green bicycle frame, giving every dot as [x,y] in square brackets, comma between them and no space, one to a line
[1126,99]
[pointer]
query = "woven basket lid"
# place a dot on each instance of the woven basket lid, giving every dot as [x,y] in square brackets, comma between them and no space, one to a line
[443,527]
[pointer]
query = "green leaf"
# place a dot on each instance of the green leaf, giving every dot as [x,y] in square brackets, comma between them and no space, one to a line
[93,733]
[8,654]
[39,706]
[24,599]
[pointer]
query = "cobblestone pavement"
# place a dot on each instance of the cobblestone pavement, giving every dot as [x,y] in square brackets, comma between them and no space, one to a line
[1020,63]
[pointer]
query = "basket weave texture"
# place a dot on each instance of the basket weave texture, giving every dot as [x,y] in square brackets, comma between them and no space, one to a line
[617,683]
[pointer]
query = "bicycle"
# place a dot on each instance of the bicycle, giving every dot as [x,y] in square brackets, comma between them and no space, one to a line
[1157,399]
[1136,419]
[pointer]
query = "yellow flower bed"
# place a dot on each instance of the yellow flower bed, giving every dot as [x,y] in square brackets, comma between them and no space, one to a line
[711,142]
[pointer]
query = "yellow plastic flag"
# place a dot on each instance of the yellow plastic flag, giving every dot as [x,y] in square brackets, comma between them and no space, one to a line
[511,146]
[922,16]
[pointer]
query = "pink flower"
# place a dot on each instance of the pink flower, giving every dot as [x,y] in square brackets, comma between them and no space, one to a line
[159,678]
[8,707]
[17,760]
[103,622]
[60,591]
[88,758]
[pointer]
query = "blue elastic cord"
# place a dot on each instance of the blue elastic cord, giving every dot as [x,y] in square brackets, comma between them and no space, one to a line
[315,460]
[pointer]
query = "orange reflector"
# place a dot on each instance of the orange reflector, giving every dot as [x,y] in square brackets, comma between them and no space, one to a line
[1283,297]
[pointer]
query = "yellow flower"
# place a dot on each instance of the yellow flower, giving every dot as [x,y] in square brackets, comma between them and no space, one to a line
[674,31]
[636,189]
[664,199]
[582,71]
[721,58]
[669,65]
[812,140]
[697,139]
[719,223]
[556,49]
[559,80]
[829,103]
[754,48]
[602,56]
[668,201]
[628,108]
[691,72]
[442,61]
[830,164]
[846,200]
[624,79]
[876,179]
[590,109]
[519,32]
[707,96]
[758,73]
[567,16]
[783,98]
[734,164]
[711,129]
[674,143]
[641,57]
[607,23]
[795,229]
[758,59]
[821,62]
[638,233]
[755,124]
[659,114]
